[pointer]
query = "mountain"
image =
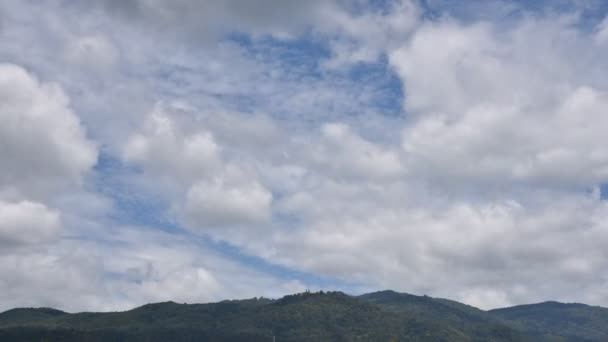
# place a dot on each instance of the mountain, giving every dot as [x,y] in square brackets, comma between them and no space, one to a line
[553,321]
[28,316]
[323,316]
[468,320]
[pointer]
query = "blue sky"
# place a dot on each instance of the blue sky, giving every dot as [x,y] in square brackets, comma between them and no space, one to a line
[197,151]
[144,211]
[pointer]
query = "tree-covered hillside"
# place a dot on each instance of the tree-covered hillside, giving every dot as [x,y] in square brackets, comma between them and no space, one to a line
[558,321]
[332,316]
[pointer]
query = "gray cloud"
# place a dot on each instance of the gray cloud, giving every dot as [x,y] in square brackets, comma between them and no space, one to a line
[202,20]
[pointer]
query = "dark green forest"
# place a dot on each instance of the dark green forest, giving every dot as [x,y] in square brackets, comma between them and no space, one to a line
[323,316]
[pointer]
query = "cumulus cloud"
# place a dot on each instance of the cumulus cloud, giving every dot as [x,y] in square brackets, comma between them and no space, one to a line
[450,249]
[26,222]
[346,154]
[44,152]
[215,188]
[217,204]
[363,38]
[44,147]
[484,89]
[166,146]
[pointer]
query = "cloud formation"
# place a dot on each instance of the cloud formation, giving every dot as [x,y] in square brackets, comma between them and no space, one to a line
[44,151]
[505,107]
[26,222]
[457,152]
[44,147]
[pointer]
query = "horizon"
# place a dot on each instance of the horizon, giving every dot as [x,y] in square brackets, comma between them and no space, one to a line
[198,150]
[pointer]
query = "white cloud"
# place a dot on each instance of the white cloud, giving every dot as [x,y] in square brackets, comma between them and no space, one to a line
[212,204]
[45,155]
[364,38]
[450,249]
[26,222]
[503,107]
[215,188]
[128,267]
[345,154]
[489,298]
[165,145]
[43,146]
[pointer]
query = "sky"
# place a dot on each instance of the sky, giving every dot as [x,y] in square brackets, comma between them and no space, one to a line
[196,151]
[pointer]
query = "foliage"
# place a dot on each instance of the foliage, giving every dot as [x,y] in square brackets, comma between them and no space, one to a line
[553,321]
[331,316]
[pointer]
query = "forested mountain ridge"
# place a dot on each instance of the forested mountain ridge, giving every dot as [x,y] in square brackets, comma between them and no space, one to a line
[323,316]
[558,321]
